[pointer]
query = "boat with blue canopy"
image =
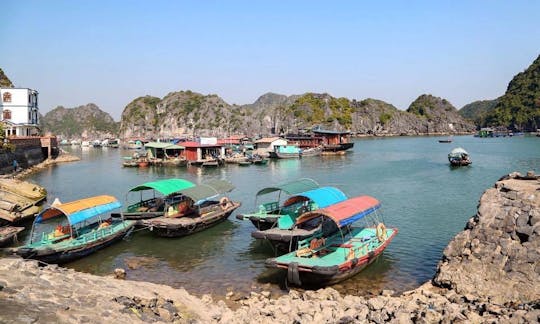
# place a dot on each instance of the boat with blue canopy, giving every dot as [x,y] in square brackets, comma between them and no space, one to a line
[323,260]
[67,231]
[270,211]
[202,210]
[154,198]
[282,235]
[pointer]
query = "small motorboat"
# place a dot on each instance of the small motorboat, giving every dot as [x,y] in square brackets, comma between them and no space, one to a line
[459,157]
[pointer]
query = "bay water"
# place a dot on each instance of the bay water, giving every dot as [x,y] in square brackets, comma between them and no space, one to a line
[426,199]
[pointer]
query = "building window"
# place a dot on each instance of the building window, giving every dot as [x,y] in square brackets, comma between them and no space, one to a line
[6,114]
[6,97]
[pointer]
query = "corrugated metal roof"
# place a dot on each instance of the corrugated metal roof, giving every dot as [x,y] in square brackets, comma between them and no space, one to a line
[323,197]
[165,187]
[345,212]
[291,188]
[80,210]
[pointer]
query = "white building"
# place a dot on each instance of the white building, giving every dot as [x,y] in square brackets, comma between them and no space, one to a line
[266,144]
[19,111]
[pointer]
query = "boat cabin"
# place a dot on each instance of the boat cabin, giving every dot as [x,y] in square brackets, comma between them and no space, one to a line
[164,151]
[197,151]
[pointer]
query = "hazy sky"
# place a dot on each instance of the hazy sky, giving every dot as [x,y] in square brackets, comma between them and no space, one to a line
[110,52]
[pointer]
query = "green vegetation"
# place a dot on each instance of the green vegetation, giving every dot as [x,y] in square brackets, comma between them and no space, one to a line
[519,108]
[384,118]
[422,106]
[72,122]
[477,111]
[317,109]
[5,82]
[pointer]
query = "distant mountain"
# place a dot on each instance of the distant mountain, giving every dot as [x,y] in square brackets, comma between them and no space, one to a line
[478,110]
[190,113]
[83,122]
[5,82]
[519,108]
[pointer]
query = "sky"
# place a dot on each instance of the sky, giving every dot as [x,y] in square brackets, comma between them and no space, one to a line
[111,52]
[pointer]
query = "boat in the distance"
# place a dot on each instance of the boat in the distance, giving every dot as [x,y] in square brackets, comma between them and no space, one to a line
[283,236]
[459,157]
[324,260]
[154,198]
[202,211]
[447,140]
[68,231]
[268,213]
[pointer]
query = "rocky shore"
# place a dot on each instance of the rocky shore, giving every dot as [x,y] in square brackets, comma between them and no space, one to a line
[61,158]
[489,273]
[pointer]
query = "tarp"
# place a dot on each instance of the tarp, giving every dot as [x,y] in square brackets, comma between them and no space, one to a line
[208,189]
[323,197]
[165,187]
[458,151]
[291,188]
[80,210]
[345,212]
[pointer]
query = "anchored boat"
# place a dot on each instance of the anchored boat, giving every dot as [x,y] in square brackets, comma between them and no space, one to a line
[65,232]
[283,236]
[324,260]
[459,157]
[155,206]
[269,212]
[201,213]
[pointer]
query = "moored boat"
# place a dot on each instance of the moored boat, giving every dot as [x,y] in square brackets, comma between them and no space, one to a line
[201,213]
[459,157]
[68,231]
[269,212]
[334,142]
[283,236]
[324,260]
[289,151]
[168,191]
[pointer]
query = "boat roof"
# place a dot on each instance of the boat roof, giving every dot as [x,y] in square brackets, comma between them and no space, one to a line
[458,150]
[345,212]
[329,132]
[165,187]
[208,189]
[162,145]
[80,210]
[291,188]
[323,197]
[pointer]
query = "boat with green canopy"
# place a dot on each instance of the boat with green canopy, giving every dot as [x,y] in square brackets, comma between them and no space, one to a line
[324,260]
[269,212]
[283,236]
[68,231]
[155,198]
[202,210]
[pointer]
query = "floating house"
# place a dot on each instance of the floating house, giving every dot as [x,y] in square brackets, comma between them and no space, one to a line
[266,145]
[334,142]
[206,148]
[19,111]
[162,150]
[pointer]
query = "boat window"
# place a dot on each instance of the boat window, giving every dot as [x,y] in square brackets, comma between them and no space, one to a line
[311,224]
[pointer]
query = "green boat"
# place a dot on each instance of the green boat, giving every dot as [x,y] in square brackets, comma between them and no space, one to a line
[155,198]
[65,232]
[269,212]
[324,260]
[202,211]
[283,236]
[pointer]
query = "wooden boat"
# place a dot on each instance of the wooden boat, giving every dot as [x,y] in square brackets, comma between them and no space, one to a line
[20,200]
[334,142]
[283,236]
[168,191]
[260,160]
[459,157]
[290,151]
[324,260]
[245,163]
[203,212]
[313,151]
[68,231]
[8,234]
[269,212]
[448,140]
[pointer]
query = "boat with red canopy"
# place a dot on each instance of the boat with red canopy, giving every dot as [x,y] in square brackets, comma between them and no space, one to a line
[320,260]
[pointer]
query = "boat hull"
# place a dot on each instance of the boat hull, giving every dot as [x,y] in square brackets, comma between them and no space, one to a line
[186,225]
[68,254]
[337,148]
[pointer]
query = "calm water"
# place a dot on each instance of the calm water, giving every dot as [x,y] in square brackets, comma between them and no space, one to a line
[421,195]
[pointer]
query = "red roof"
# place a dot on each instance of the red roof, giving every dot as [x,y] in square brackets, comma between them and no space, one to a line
[197,144]
[343,210]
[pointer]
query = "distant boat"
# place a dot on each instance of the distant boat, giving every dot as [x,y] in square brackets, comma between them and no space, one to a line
[448,140]
[459,157]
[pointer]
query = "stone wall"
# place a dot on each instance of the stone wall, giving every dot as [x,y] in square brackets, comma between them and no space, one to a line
[29,151]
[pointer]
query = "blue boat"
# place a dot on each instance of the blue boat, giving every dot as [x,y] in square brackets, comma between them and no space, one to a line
[65,232]
[282,236]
